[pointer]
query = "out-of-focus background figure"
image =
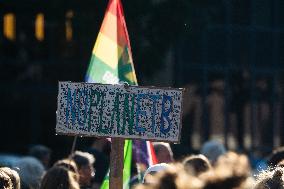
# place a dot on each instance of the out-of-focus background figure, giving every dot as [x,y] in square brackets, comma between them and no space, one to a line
[99,148]
[84,162]
[164,152]
[59,177]
[42,153]
[31,171]
[213,150]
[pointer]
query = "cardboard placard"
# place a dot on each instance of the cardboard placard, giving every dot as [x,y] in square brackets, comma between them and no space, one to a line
[132,112]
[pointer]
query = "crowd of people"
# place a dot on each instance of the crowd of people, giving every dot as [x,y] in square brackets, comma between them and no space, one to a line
[213,168]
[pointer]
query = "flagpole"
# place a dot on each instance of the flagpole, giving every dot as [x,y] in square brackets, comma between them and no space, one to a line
[73,146]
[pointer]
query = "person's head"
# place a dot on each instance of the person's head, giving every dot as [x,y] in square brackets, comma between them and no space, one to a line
[233,164]
[67,163]
[152,170]
[174,177]
[5,181]
[281,164]
[212,150]
[196,164]
[13,175]
[163,152]
[84,162]
[271,179]
[276,156]
[30,171]
[42,153]
[231,171]
[59,177]
[70,165]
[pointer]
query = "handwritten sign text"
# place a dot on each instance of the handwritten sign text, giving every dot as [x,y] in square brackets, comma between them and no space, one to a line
[119,111]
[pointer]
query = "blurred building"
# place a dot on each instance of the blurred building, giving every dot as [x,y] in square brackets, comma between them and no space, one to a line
[232,61]
[41,43]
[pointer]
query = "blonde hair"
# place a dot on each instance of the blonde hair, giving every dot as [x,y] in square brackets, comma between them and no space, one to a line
[272,178]
[14,176]
[231,171]
[173,177]
[5,181]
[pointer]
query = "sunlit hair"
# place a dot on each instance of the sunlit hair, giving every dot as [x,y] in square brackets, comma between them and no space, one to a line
[5,181]
[231,171]
[174,177]
[14,176]
[70,165]
[83,158]
[196,164]
[272,178]
[59,177]
[234,164]
[276,156]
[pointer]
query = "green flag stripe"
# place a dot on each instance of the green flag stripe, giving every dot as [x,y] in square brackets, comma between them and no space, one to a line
[127,163]
[98,68]
[126,68]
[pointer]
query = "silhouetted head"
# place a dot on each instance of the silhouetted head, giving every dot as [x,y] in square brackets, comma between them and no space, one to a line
[84,162]
[42,153]
[59,177]
[196,164]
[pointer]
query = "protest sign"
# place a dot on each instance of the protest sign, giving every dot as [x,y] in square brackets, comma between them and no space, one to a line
[89,109]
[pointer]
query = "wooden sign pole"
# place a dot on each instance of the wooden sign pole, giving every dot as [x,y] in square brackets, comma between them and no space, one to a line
[116,163]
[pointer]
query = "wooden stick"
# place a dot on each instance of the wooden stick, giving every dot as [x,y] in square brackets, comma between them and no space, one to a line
[73,145]
[116,163]
[72,150]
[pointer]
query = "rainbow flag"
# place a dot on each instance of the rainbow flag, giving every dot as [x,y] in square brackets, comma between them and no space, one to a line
[112,63]
[111,60]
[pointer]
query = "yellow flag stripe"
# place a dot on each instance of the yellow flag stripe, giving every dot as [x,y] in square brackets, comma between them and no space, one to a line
[107,50]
